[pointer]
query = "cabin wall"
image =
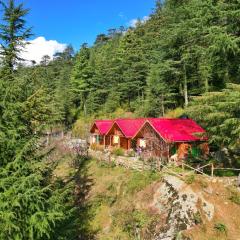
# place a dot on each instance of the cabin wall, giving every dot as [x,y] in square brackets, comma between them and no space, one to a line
[123,141]
[156,147]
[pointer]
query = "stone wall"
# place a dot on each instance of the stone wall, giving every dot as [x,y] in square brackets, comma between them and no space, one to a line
[128,162]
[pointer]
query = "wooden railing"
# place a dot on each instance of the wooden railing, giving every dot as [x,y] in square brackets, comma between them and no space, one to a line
[211,165]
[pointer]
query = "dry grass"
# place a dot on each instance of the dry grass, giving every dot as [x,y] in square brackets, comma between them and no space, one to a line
[226,213]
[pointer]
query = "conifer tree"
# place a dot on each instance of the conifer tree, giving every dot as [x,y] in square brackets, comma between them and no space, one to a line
[13,33]
[32,206]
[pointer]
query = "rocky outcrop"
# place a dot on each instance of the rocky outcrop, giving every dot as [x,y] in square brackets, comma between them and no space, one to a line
[181,206]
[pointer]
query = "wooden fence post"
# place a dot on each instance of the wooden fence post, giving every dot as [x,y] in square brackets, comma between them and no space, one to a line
[212,170]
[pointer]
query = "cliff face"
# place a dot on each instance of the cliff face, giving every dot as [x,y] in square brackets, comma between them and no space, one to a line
[204,209]
[181,206]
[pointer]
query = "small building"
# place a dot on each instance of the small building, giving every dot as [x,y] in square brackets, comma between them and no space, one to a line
[122,131]
[98,132]
[163,138]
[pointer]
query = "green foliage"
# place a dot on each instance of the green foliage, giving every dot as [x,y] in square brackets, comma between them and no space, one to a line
[118,152]
[235,195]
[220,227]
[29,207]
[218,112]
[184,50]
[13,32]
[32,205]
[197,218]
[139,180]
[190,179]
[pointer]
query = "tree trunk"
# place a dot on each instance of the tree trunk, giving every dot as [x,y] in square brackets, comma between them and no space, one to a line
[85,109]
[162,105]
[185,87]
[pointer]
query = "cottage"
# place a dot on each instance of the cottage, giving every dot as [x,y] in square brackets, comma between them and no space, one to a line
[122,131]
[163,138]
[98,132]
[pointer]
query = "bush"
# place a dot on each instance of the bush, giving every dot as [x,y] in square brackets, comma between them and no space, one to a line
[235,196]
[176,113]
[130,153]
[81,128]
[118,151]
[220,227]
[197,218]
[97,147]
[190,179]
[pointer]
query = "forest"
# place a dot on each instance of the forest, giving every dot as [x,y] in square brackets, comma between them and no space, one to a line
[184,59]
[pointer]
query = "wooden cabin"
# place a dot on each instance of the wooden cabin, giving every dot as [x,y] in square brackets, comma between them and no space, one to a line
[122,131]
[164,138]
[98,132]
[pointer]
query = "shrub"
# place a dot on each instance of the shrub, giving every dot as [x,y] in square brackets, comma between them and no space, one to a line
[176,113]
[81,127]
[197,218]
[220,227]
[235,196]
[190,179]
[118,151]
[130,153]
[97,147]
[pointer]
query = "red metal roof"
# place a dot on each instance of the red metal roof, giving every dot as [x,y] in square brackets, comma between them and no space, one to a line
[177,130]
[130,127]
[103,126]
[171,130]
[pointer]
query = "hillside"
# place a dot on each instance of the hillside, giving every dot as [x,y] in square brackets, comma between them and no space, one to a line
[125,204]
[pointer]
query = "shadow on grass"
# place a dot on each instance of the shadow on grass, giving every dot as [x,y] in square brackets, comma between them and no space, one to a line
[83,183]
[80,214]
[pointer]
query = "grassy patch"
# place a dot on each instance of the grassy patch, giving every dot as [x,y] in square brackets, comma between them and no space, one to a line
[139,180]
[234,195]
[220,227]
[113,201]
[189,179]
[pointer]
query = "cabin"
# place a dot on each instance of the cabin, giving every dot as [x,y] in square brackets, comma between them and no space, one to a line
[122,131]
[153,138]
[98,132]
[168,139]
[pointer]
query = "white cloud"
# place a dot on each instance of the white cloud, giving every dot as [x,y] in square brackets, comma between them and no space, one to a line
[133,22]
[39,47]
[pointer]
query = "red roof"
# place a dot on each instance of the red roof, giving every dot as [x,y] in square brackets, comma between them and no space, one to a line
[130,127]
[171,130]
[103,126]
[177,130]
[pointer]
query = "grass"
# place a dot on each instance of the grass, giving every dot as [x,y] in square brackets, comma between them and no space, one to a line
[189,179]
[113,199]
[234,195]
[119,204]
[139,180]
[220,227]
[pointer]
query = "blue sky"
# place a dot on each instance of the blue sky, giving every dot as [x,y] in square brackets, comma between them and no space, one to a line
[79,21]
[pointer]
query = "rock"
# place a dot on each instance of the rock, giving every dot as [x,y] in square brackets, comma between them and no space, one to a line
[208,190]
[178,202]
[208,209]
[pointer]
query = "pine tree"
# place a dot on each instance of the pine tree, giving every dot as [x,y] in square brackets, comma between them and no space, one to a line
[32,206]
[13,33]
